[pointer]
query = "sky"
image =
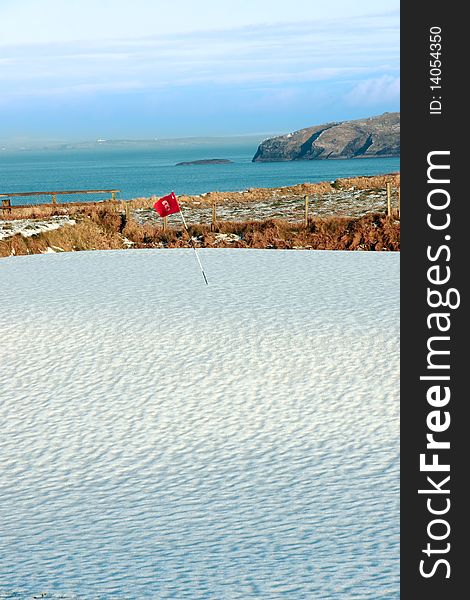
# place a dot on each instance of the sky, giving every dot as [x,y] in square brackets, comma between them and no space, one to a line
[78,70]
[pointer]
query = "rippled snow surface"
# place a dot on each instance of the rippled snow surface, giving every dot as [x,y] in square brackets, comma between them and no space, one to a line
[164,439]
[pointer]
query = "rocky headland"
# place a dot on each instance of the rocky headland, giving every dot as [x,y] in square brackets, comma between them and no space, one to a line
[373,137]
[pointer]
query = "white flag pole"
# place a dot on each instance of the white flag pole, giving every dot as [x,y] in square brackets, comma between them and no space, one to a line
[194,247]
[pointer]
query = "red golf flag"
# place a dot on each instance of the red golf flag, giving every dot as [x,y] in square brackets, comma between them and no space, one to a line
[167,205]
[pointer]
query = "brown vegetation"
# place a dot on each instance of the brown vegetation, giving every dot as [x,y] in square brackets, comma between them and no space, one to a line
[370,232]
[250,195]
[85,235]
[367,183]
[107,225]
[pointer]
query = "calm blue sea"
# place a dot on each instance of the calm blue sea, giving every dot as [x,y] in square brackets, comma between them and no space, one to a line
[150,170]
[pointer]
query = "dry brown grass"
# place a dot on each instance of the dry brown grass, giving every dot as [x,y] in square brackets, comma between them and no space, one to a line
[251,195]
[142,202]
[140,234]
[85,235]
[104,225]
[71,209]
[370,232]
[367,183]
[103,230]
[258,194]
[303,189]
[37,212]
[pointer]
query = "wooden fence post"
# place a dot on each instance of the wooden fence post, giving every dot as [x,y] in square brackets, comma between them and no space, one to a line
[398,202]
[165,223]
[214,216]
[306,211]
[128,212]
[54,199]
[389,199]
[6,205]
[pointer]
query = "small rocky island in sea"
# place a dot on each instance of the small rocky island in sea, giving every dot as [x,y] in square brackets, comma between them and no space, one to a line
[206,161]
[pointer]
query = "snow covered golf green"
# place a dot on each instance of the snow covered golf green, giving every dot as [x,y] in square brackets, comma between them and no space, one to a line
[166,439]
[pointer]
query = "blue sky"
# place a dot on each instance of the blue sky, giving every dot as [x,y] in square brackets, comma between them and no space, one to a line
[79,70]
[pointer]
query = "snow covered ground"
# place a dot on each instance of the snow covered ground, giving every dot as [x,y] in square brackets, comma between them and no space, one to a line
[29,227]
[290,207]
[166,439]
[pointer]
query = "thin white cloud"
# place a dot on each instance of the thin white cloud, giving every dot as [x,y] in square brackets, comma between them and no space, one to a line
[292,52]
[45,21]
[375,91]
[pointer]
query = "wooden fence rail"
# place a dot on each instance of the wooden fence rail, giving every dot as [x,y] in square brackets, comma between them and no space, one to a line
[7,206]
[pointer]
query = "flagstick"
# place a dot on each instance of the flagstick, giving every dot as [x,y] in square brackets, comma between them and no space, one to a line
[194,247]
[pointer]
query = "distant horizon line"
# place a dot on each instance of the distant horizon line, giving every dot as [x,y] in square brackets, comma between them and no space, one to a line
[44,143]
[48,143]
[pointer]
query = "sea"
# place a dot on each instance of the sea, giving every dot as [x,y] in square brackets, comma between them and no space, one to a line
[150,168]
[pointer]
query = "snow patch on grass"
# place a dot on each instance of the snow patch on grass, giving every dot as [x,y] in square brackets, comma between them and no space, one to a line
[30,227]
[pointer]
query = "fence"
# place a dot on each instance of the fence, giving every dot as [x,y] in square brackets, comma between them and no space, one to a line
[295,207]
[7,206]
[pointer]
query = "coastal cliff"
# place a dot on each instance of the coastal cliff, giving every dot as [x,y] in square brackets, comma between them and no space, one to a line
[373,137]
